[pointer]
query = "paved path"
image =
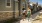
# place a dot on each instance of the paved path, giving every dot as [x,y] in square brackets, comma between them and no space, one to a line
[26,21]
[34,15]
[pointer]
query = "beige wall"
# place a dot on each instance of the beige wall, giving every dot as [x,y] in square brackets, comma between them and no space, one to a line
[3,6]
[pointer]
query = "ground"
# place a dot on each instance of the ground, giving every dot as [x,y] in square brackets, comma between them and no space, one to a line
[35,18]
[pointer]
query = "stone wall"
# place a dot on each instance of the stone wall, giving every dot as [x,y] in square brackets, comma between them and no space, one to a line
[6,15]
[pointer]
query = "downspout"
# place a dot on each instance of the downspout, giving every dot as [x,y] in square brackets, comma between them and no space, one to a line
[19,6]
[13,8]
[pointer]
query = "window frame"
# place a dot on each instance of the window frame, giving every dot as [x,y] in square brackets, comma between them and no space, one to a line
[7,2]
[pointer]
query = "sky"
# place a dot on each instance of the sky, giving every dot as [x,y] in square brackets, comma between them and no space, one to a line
[39,1]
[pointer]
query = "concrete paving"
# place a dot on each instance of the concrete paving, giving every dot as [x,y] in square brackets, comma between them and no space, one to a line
[34,15]
[31,19]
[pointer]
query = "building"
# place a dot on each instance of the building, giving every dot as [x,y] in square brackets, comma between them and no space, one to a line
[9,8]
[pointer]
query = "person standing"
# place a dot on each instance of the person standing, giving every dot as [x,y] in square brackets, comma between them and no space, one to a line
[28,13]
[24,13]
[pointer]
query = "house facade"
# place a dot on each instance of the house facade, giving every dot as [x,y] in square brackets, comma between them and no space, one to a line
[8,9]
[11,8]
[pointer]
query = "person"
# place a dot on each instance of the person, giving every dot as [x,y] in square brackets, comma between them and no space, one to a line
[24,13]
[28,13]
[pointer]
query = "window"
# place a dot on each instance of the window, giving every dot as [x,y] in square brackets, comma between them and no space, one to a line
[8,3]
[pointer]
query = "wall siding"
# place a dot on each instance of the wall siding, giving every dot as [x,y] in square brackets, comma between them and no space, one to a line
[3,6]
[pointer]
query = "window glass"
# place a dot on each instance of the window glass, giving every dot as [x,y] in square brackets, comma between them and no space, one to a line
[8,4]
